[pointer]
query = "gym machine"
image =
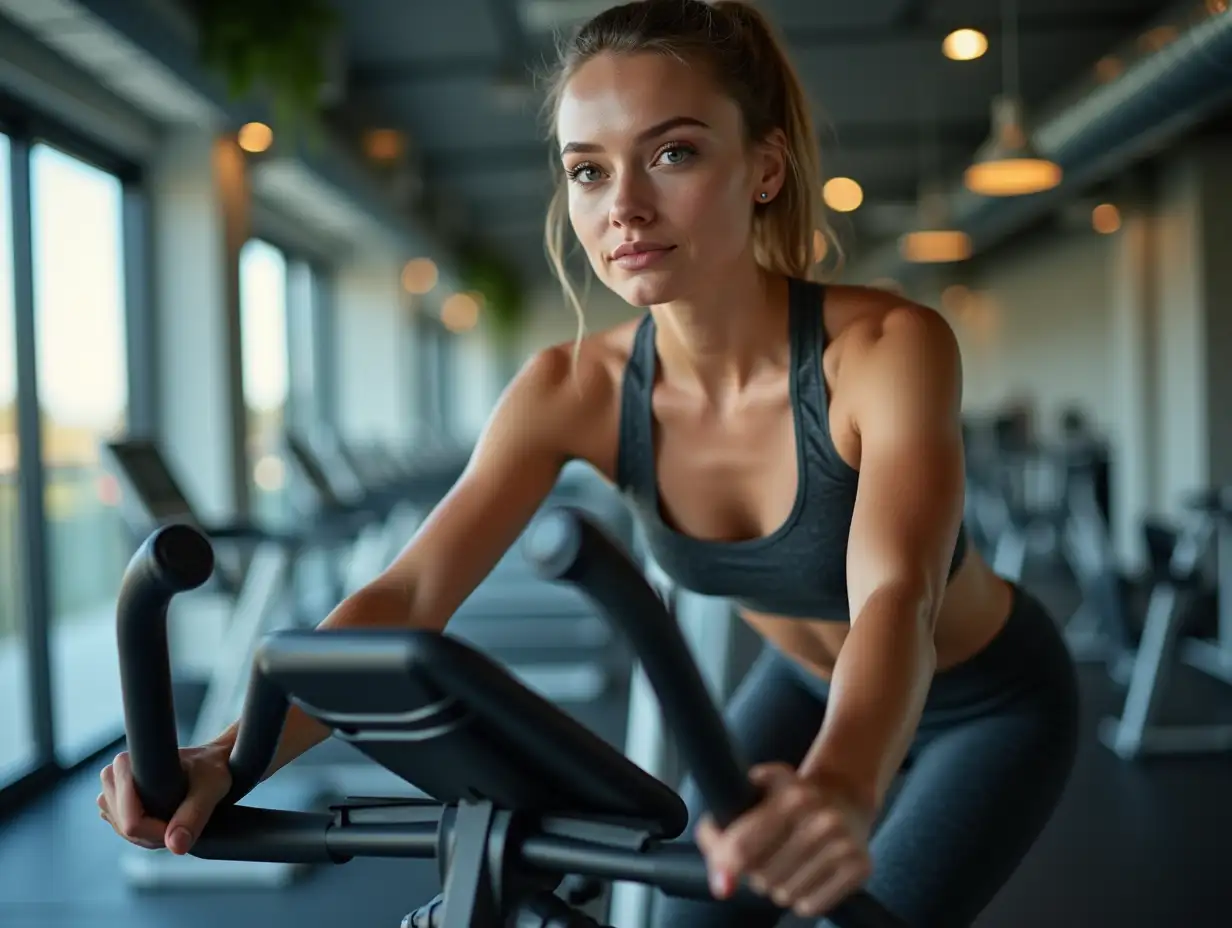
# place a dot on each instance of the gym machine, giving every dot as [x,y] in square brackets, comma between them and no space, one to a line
[257,588]
[522,795]
[550,636]
[1054,494]
[1137,732]
[382,526]
[547,635]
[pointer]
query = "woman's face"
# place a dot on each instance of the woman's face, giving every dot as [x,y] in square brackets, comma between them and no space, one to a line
[661,182]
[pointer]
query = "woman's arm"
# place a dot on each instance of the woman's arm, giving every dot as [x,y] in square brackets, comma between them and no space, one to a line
[909,506]
[540,422]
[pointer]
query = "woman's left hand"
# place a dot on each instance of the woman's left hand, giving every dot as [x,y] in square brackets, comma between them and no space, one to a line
[803,845]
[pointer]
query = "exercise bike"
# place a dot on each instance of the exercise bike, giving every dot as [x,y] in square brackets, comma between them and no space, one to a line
[524,796]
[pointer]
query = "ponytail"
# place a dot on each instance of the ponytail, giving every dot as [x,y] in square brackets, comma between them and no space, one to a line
[787,230]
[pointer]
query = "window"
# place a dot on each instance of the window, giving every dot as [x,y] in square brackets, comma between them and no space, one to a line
[306,403]
[81,360]
[433,346]
[263,328]
[16,736]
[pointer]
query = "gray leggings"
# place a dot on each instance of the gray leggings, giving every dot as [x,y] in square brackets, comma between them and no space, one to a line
[991,759]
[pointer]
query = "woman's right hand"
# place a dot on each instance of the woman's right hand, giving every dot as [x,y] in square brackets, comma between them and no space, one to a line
[209,781]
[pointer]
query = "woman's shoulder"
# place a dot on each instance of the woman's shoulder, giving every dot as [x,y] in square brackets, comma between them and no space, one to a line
[866,321]
[592,364]
[577,383]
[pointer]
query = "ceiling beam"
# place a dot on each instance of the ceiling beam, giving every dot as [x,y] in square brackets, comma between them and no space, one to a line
[911,13]
[1041,26]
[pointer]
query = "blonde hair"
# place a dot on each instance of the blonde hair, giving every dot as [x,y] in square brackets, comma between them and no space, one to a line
[747,58]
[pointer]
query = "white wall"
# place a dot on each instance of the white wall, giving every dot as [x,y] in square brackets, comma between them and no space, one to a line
[1036,327]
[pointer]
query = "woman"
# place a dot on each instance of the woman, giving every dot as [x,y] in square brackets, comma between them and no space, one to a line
[794,447]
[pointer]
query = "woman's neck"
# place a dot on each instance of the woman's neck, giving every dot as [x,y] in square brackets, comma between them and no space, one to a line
[722,338]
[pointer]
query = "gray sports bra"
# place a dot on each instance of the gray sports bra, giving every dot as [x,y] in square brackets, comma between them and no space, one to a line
[800,569]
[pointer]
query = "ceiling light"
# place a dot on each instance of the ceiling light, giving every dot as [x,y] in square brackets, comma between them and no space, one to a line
[1108,69]
[419,276]
[935,246]
[255,137]
[935,242]
[1008,164]
[965,45]
[842,194]
[1105,218]
[384,144]
[460,312]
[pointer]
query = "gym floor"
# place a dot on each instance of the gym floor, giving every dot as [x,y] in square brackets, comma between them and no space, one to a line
[1145,844]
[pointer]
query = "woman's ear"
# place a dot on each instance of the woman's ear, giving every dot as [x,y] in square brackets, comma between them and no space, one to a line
[770,167]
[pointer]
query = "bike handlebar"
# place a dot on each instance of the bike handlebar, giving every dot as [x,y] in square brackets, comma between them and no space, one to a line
[172,560]
[178,558]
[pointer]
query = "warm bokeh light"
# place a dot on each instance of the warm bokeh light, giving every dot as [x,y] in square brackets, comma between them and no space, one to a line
[1158,38]
[1215,7]
[1108,69]
[419,276]
[965,45]
[460,312]
[1105,218]
[821,246]
[935,246]
[384,144]
[269,473]
[255,137]
[1008,177]
[955,299]
[842,194]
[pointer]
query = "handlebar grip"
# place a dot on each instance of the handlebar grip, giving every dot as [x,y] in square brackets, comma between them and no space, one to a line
[565,544]
[260,726]
[172,560]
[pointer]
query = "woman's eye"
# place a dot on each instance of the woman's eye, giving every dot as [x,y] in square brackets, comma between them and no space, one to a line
[583,173]
[675,154]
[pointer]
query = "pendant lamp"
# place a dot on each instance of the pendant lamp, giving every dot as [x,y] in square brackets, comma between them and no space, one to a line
[1008,164]
[936,241]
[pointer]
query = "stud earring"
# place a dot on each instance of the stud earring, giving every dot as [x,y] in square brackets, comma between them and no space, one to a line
[764,195]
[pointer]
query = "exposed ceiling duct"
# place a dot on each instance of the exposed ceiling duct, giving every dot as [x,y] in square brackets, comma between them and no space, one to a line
[1176,75]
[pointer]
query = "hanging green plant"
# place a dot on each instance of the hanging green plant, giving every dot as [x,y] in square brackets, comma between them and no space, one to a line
[271,46]
[502,292]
